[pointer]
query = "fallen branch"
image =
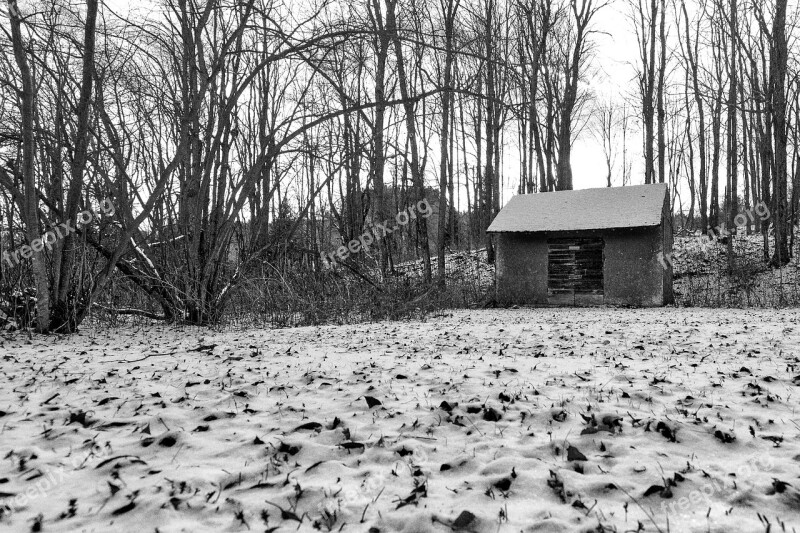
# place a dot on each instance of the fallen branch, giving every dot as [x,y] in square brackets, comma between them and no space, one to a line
[130,311]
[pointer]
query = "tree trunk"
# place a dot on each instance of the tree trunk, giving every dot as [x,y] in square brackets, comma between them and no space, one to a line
[662,68]
[411,131]
[449,8]
[29,204]
[778,68]
[66,306]
[733,148]
[490,176]
[378,159]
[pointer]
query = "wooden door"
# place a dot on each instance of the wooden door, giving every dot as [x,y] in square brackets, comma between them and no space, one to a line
[575,271]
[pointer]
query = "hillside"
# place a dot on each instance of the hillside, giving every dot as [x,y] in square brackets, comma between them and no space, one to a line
[702,278]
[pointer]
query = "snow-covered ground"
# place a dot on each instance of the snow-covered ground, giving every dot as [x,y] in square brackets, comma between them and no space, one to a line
[502,420]
[702,278]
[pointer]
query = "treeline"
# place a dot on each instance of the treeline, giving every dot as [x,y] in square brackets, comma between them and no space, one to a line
[719,98]
[250,136]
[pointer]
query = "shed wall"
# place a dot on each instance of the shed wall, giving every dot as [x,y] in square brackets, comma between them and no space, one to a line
[632,272]
[521,268]
[666,224]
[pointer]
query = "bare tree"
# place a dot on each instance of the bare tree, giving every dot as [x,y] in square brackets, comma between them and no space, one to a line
[449,9]
[29,202]
[645,18]
[690,56]
[575,60]
[605,131]
[778,73]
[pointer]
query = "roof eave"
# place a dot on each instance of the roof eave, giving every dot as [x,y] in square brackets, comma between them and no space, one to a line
[571,230]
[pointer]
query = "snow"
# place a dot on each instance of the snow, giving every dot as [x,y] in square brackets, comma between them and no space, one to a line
[702,279]
[498,420]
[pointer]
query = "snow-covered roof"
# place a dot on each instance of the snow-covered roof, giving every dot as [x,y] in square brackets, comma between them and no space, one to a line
[588,209]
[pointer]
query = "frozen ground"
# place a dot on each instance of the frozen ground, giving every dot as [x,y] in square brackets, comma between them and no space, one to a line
[517,420]
[702,278]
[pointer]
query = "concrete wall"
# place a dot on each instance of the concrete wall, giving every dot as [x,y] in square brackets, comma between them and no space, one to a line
[521,268]
[667,236]
[632,272]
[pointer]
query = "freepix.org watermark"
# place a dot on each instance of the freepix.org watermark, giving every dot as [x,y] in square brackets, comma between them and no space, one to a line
[58,232]
[754,464]
[52,479]
[741,221]
[380,231]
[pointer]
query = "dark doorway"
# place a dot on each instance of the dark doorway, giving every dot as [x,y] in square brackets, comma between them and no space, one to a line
[575,271]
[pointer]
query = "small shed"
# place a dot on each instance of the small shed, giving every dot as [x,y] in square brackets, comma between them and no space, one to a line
[607,246]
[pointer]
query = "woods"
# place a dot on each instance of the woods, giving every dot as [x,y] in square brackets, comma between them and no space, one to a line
[237,141]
